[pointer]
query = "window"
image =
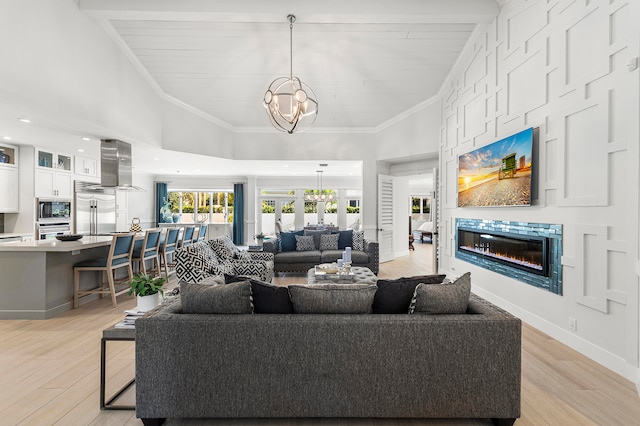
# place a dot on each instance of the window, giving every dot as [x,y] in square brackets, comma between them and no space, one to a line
[421,207]
[201,207]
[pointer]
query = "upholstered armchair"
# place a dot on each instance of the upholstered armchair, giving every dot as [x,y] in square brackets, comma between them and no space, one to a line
[198,261]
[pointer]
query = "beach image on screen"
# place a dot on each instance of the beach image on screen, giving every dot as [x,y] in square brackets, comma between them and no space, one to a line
[498,174]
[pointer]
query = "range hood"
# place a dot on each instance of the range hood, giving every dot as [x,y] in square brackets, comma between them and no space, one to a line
[115,161]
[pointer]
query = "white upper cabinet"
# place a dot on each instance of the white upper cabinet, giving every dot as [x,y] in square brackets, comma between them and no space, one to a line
[53,160]
[53,178]
[9,194]
[85,166]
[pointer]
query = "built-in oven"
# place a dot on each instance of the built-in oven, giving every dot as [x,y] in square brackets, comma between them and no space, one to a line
[49,230]
[51,210]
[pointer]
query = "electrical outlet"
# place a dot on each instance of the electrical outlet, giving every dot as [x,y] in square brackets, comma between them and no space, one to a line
[573,324]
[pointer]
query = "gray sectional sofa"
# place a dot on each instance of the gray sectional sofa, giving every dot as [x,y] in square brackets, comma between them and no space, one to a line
[301,261]
[328,365]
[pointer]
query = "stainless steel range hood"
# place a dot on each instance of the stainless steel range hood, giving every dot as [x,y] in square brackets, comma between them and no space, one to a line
[115,160]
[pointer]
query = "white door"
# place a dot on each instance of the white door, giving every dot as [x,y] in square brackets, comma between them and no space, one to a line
[385,217]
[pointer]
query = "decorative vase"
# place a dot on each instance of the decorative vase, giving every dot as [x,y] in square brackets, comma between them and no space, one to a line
[176,218]
[147,303]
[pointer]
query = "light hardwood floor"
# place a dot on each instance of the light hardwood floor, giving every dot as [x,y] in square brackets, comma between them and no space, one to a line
[49,373]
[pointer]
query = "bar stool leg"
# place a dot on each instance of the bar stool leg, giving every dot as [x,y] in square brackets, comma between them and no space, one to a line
[76,286]
[112,288]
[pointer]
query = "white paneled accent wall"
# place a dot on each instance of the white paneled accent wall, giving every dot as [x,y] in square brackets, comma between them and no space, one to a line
[566,67]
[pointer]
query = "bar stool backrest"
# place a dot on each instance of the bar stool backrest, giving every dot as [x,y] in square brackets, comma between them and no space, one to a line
[202,233]
[121,249]
[187,235]
[151,242]
[171,240]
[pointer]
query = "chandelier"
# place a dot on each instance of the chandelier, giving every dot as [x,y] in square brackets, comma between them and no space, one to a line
[291,105]
[318,195]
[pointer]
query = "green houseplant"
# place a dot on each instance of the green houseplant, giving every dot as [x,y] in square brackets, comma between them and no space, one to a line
[147,289]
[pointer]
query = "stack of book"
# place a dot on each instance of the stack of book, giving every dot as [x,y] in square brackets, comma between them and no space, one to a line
[255,247]
[130,320]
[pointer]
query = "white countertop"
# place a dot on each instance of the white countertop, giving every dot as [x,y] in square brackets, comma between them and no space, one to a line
[85,242]
[15,234]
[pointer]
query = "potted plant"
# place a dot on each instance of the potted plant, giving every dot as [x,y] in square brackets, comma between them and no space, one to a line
[147,289]
[259,238]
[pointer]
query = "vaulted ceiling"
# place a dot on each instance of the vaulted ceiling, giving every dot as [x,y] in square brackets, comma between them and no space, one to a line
[368,61]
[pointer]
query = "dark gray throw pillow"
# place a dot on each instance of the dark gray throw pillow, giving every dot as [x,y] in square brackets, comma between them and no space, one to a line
[216,299]
[394,296]
[267,298]
[332,298]
[447,298]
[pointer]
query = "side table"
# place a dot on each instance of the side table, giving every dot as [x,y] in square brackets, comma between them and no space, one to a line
[113,334]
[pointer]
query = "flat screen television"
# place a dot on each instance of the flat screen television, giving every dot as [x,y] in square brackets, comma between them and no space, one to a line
[498,174]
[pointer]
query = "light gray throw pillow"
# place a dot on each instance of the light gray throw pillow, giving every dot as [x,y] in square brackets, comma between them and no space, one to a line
[232,298]
[446,298]
[332,298]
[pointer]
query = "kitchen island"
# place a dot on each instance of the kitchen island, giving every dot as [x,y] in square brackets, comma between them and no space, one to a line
[36,277]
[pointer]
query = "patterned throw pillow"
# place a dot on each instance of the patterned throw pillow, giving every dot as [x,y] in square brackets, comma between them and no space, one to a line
[358,240]
[305,243]
[449,298]
[223,247]
[244,256]
[329,242]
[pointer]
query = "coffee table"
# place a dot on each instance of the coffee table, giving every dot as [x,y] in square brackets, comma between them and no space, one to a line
[361,275]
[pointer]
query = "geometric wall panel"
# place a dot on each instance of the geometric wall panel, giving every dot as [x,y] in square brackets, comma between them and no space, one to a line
[527,85]
[592,250]
[475,113]
[586,175]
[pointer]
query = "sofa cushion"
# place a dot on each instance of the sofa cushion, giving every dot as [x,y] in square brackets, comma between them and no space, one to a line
[345,239]
[332,298]
[316,235]
[446,298]
[305,243]
[329,242]
[358,240]
[394,296]
[357,257]
[288,240]
[193,260]
[312,256]
[216,299]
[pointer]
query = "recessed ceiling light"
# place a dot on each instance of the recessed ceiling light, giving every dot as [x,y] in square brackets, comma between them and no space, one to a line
[156,159]
[6,138]
[86,139]
[80,150]
[286,165]
[25,120]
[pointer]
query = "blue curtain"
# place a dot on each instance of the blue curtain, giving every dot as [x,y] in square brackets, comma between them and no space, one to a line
[238,213]
[162,198]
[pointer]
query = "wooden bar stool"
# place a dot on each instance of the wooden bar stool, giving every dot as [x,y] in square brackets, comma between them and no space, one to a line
[148,249]
[167,247]
[119,257]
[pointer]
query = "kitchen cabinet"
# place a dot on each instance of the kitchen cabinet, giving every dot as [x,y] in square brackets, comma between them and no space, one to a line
[53,160]
[9,194]
[85,166]
[51,183]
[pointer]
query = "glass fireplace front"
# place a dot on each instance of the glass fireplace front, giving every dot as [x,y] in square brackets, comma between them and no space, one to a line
[527,253]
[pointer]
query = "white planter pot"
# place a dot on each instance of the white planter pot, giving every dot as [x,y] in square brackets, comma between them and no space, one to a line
[147,303]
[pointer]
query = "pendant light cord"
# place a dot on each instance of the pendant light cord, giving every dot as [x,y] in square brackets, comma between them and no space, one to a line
[291,19]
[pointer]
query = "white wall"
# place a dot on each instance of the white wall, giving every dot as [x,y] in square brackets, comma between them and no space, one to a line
[561,67]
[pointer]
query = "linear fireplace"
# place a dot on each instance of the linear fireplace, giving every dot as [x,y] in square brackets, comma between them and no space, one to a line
[528,252]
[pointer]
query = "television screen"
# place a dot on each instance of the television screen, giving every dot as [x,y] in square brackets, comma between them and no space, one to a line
[498,174]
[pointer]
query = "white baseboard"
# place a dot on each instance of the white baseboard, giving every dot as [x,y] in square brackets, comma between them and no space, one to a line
[603,357]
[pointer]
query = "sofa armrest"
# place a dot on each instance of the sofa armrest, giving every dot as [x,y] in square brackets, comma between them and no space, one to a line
[373,249]
[261,255]
[259,269]
[270,246]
